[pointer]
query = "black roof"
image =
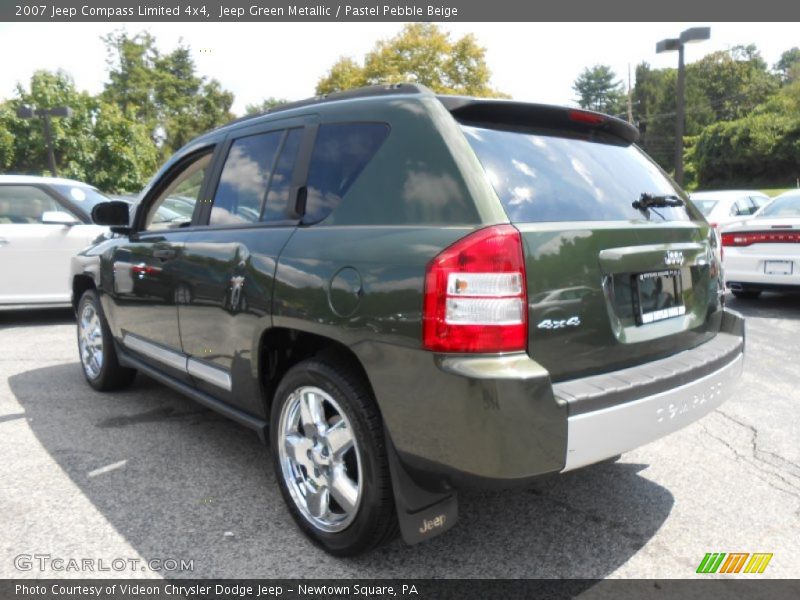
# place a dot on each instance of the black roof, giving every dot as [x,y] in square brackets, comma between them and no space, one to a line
[478,110]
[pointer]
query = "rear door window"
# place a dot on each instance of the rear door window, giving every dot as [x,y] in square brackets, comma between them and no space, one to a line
[245,178]
[341,151]
[548,178]
[277,203]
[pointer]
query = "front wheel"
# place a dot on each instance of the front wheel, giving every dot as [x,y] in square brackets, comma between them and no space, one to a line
[329,456]
[96,347]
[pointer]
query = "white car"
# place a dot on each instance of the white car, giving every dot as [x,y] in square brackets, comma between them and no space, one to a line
[44,221]
[763,253]
[723,207]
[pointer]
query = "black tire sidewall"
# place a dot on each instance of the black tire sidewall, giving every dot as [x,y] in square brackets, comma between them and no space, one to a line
[111,374]
[360,534]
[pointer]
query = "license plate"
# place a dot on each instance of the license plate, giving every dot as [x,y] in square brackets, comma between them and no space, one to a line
[778,267]
[658,295]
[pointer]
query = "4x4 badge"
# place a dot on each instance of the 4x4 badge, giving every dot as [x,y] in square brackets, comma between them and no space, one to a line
[559,323]
[673,258]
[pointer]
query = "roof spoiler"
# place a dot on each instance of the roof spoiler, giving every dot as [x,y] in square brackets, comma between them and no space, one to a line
[516,115]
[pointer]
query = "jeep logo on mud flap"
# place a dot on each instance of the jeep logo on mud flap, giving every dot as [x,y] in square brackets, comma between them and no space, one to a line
[559,323]
[673,258]
[430,525]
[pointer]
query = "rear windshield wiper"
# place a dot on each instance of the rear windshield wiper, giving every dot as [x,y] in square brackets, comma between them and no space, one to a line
[646,201]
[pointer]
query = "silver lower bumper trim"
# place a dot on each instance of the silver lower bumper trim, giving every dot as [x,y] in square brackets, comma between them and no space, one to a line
[601,434]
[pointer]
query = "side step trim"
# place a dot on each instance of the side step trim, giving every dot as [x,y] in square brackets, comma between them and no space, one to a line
[179,361]
[241,417]
[174,359]
[213,375]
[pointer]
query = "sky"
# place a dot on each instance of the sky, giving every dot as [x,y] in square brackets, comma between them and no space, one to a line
[530,61]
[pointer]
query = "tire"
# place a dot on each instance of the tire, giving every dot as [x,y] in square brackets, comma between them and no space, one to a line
[100,364]
[340,495]
[746,294]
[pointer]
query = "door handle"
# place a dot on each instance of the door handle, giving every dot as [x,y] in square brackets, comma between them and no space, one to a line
[4,242]
[164,253]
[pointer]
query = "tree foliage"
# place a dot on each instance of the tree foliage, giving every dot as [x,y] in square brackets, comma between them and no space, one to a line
[788,67]
[264,105]
[722,86]
[599,89]
[421,53]
[760,147]
[98,143]
[152,104]
[163,90]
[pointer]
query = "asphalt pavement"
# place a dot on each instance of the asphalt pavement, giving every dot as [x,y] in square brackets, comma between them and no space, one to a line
[144,475]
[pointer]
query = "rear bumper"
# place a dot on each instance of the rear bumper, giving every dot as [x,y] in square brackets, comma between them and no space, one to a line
[498,421]
[606,432]
[615,412]
[747,267]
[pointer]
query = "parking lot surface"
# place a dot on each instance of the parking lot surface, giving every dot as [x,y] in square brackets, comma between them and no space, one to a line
[146,474]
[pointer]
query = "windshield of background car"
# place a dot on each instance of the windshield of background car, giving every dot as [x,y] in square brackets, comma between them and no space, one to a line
[788,206]
[547,178]
[83,197]
[705,206]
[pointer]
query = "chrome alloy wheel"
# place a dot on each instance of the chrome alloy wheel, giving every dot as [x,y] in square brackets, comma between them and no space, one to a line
[320,459]
[90,341]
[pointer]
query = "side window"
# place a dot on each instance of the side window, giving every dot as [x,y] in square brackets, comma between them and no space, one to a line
[245,178]
[275,208]
[341,152]
[740,208]
[25,205]
[175,206]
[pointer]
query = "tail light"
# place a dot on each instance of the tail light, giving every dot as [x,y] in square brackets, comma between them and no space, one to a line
[475,298]
[749,238]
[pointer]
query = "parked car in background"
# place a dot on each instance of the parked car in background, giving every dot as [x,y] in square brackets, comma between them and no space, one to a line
[44,221]
[175,209]
[728,206]
[763,253]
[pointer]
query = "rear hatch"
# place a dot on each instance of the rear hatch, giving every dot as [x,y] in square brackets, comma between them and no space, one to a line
[609,285]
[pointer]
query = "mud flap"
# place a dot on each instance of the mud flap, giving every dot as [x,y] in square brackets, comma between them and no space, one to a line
[422,514]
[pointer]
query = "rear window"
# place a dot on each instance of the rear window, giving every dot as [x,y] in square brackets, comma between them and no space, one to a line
[788,206]
[341,151]
[705,206]
[546,178]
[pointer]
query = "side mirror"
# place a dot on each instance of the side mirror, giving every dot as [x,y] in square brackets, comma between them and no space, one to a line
[57,217]
[113,214]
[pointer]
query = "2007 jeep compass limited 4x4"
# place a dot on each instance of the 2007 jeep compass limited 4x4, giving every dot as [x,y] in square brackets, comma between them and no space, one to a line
[406,294]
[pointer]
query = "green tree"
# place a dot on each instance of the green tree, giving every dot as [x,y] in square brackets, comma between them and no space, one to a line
[124,156]
[264,105]
[98,144]
[163,90]
[421,53]
[788,67]
[763,147]
[733,82]
[599,89]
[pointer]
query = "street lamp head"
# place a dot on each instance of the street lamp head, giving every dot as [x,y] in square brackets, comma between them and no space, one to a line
[25,112]
[668,45]
[695,34]
[60,111]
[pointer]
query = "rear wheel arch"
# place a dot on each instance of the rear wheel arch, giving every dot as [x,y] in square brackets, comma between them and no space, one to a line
[280,348]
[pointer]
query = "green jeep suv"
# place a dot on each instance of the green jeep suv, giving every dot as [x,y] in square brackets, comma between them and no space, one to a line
[406,294]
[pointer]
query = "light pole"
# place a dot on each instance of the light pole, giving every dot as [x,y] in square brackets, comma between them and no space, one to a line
[26,112]
[694,34]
